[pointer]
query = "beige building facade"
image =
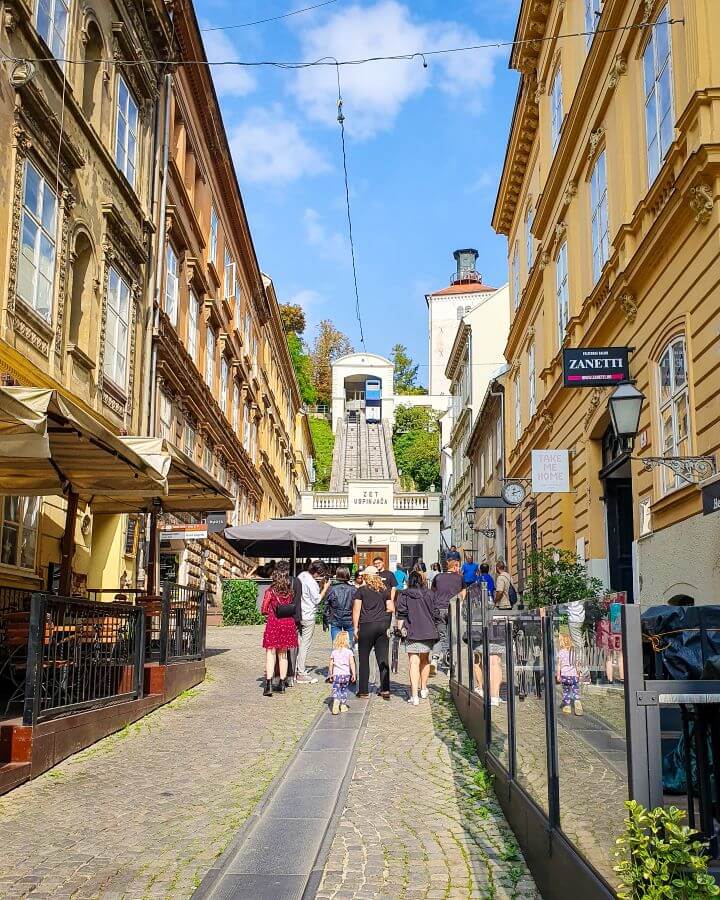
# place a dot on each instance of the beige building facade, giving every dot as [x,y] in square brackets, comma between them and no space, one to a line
[608,198]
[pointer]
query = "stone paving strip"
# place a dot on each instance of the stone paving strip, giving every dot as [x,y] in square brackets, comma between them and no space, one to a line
[146,812]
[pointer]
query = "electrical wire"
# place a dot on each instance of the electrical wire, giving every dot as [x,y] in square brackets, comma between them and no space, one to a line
[295,12]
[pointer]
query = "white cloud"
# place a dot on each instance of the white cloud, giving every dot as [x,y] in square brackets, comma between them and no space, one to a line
[229,80]
[487,179]
[267,146]
[374,93]
[307,299]
[329,244]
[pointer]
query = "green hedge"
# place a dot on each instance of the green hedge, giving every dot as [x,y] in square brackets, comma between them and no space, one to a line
[239,602]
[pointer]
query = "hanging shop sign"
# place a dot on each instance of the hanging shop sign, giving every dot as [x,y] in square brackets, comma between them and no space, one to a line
[550,471]
[183,533]
[711,498]
[595,366]
[215,522]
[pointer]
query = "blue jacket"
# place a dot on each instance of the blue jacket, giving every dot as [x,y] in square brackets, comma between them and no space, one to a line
[339,604]
[470,572]
[489,581]
[401,578]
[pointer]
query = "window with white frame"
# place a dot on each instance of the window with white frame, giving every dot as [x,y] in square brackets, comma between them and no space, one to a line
[529,243]
[499,439]
[36,265]
[489,457]
[51,21]
[238,312]
[674,407]
[213,241]
[516,276]
[193,326]
[518,408]
[172,284]
[189,438]
[532,398]
[224,378]
[246,331]
[481,471]
[210,342]
[593,9]
[657,69]
[229,284]
[208,458]
[117,328]
[561,291]
[556,108]
[18,531]
[165,416]
[599,210]
[246,428]
[236,407]
[126,131]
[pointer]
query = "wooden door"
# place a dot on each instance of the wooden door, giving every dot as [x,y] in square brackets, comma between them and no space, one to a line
[365,556]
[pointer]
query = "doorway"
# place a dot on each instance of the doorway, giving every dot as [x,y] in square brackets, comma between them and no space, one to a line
[617,480]
[365,556]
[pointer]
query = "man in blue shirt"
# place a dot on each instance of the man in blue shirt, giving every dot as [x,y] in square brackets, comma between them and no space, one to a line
[469,571]
[486,578]
[453,553]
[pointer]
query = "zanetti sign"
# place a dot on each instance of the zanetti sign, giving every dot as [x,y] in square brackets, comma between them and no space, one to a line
[595,366]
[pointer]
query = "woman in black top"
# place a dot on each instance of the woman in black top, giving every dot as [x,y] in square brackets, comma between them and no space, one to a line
[419,611]
[446,585]
[372,610]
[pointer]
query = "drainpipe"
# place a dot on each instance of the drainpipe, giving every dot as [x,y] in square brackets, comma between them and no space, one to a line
[500,392]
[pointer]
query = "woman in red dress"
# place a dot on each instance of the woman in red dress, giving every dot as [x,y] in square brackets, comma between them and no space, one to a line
[280,634]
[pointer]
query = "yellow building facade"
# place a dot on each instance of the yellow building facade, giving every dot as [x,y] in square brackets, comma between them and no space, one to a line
[608,199]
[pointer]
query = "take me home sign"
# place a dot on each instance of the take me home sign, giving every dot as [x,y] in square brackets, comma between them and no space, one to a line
[595,366]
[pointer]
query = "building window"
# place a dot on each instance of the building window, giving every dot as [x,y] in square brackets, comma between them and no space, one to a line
[499,439]
[210,358]
[532,399]
[246,428]
[116,329]
[189,439]
[599,209]
[193,326]
[657,68]
[229,286]
[213,242]
[561,292]
[126,129]
[246,331]
[36,266]
[238,310]
[516,276]
[410,554]
[481,471]
[529,244]
[236,407]
[18,531]
[165,416]
[556,108]
[593,9]
[518,410]
[208,458]
[172,283]
[224,377]
[674,408]
[51,23]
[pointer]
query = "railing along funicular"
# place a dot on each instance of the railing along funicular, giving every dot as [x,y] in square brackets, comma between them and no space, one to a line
[560,707]
[81,654]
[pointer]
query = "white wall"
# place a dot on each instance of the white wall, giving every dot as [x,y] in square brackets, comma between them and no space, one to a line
[443,324]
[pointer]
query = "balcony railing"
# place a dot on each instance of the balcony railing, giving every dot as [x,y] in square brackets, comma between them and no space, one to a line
[411,501]
[326,500]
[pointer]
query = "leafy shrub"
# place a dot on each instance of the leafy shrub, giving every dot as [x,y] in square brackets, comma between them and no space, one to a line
[324,441]
[660,858]
[239,602]
[558,576]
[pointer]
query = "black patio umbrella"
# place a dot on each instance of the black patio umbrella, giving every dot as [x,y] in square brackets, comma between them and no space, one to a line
[291,537]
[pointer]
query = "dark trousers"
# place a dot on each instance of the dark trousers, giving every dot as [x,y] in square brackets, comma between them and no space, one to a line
[373,636]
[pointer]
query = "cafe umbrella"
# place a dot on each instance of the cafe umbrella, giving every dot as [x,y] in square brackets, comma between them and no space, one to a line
[291,538]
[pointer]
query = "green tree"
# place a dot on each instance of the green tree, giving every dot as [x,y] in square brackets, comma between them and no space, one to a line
[558,576]
[405,372]
[303,367]
[416,444]
[292,316]
[330,343]
[324,441]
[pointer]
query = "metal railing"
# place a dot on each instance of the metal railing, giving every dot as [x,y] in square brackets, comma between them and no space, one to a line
[561,708]
[81,654]
[183,620]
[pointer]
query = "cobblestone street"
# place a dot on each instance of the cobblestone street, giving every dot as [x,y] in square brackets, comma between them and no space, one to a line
[146,812]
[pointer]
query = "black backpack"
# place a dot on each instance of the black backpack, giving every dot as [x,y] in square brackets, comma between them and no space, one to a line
[512,595]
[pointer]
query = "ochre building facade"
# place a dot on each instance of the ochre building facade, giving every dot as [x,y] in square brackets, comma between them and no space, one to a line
[608,198]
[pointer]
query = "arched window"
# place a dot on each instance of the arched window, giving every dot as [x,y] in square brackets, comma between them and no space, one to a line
[92,75]
[81,298]
[674,407]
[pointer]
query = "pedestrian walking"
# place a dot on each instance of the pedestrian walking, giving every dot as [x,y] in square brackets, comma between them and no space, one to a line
[486,578]
[372,612]
[337,613]
[342,671]
[470,570]
[445,586]
[314,586]
[387,576]
[280,635]
[453,553]
[400,576]
[434,569]
[418,613]
[505,593]
[566,675]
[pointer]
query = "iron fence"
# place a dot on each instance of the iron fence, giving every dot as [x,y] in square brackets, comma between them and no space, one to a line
[564,715]
[182,623]
[81,655]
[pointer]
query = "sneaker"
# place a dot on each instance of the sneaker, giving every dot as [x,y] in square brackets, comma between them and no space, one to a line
[343,707]
[306,679]
[335,707]
[424,694]
[413,701]
[567,709]
[578,710]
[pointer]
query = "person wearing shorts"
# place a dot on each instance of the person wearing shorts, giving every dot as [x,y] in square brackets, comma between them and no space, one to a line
[418,612]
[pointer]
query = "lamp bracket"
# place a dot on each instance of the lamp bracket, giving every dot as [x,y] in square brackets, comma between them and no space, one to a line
[525,481]
[692,469]
[489,533]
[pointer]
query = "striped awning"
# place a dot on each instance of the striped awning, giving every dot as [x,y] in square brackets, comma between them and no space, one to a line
[50,445]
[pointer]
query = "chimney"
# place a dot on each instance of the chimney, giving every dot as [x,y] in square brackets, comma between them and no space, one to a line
[466,271]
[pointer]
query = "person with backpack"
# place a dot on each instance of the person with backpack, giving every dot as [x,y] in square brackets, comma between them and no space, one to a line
[486,578]
[505,593]
[418,612]
[337,612]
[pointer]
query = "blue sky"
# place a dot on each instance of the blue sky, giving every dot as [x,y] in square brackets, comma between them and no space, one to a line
[425,150]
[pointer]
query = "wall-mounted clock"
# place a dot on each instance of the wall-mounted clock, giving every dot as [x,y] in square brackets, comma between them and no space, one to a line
[514,492]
